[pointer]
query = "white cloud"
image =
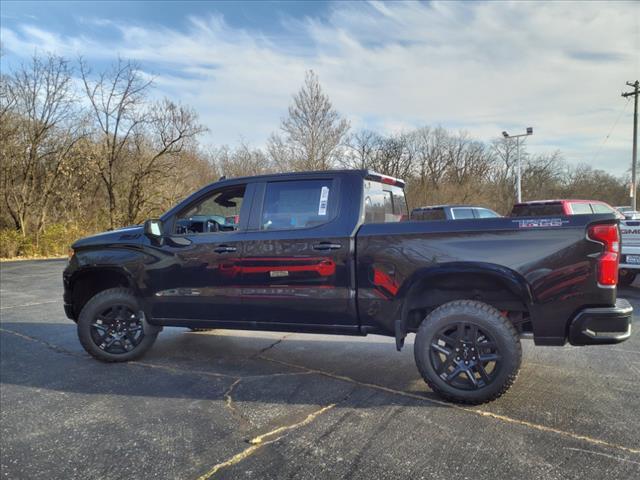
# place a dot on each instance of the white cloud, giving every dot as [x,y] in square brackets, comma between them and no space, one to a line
[483,67]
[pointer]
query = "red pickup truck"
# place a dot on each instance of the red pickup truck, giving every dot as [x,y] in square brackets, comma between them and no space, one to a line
[562,207]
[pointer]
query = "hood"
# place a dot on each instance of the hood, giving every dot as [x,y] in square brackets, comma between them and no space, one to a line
[125,235]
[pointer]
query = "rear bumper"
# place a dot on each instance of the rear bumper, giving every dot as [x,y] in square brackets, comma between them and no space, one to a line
[629,250]
[602,325]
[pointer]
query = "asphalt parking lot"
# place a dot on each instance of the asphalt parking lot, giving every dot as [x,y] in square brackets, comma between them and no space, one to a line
[224,404]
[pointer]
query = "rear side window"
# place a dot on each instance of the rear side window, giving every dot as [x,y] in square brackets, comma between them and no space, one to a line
[428,214]
[580,208]
[298,204]
[383,203]
[462,213]
[537,210]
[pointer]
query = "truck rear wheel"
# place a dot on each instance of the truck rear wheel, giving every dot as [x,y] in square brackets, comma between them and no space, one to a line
[626,277]
[467,352]
[111,327]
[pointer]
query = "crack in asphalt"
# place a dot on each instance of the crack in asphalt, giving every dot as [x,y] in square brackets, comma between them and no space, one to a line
[263,440]
[266,439]
[482,413]
[274,344]
[230,405]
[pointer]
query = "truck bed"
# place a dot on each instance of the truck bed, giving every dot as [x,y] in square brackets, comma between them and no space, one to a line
[548,262]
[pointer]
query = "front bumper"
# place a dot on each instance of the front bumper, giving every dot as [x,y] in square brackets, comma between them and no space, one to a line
[602,325]
[68,311]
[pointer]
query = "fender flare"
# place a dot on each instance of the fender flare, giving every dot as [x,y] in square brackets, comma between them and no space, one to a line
[513,280]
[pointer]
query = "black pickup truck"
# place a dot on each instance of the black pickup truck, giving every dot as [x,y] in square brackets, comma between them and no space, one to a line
[332,252]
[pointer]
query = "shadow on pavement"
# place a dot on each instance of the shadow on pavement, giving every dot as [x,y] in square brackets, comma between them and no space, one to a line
[202,366]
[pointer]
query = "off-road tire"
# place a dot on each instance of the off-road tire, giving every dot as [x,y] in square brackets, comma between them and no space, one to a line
[94,308]
[486,319]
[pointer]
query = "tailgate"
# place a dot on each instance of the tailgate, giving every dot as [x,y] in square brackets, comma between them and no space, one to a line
[630,244]
[630,231]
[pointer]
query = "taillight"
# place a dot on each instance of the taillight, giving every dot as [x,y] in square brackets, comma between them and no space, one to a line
[609,236]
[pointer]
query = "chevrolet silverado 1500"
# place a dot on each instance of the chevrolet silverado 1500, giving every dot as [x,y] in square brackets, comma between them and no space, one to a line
[332,252]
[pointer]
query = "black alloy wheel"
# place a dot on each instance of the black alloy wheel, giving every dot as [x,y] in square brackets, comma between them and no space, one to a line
[117,330]
[465,356]
[468,351]
[112,326]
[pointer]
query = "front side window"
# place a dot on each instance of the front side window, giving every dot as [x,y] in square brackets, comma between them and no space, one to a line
[462,213]
[298,204]
[601,208]
[486,213]
[217,212]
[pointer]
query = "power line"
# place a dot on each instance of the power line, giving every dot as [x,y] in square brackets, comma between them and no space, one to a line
[615,124]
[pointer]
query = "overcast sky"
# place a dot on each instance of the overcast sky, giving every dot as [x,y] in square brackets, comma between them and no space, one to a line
[482,67]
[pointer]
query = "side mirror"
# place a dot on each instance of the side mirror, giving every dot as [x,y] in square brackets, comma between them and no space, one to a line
[153,229]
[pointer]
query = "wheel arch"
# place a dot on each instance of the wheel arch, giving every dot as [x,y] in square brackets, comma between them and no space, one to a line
[430,287]
[91,280]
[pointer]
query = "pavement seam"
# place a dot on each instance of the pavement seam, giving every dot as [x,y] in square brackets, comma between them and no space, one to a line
[482,413]
[591,452]
[29,304]
[51,346]
[263,440]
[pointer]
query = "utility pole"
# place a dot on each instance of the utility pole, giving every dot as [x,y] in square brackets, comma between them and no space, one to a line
[634,155]
[519,174]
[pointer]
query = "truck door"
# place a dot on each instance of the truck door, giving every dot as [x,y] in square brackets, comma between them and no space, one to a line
[191,279]
[298,255]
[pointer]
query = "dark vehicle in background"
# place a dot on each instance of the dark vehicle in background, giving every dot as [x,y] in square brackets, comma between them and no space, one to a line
[331,252]
[628,212]
[451,212]
[562,207]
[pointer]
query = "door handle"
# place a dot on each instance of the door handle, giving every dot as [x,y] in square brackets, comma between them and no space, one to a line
[224,249]
[327,246]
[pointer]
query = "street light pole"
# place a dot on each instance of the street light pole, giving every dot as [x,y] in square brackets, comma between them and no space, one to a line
[634,155]
[518,166]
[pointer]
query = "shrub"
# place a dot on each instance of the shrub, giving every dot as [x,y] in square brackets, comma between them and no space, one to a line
[54,241]
[11,242]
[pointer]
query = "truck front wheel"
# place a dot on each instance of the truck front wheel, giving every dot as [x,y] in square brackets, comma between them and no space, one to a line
[467,352]
[111,327]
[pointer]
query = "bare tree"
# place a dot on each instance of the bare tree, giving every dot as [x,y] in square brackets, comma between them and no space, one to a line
[167,129]
[242,161]
[39,130]
[361,150]
[116,98]
[312,131]
[136,140]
